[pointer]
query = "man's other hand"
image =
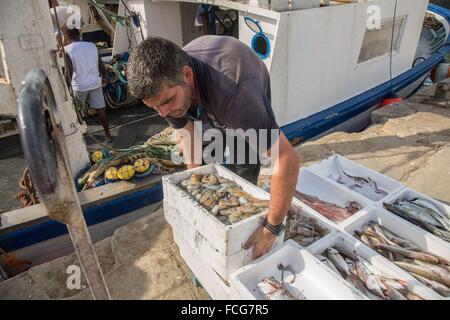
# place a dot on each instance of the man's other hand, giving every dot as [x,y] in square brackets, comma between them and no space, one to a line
[261,241]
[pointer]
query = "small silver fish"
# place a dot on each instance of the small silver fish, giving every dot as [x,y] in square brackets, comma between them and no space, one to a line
[328,263]
[360,285]
[366,274]
[424,272]
[338,261]
[394,294]
[365,186]
[346,252]
[443,290]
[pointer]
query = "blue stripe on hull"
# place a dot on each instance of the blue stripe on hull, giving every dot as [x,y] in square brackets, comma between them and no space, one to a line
[50,229]
[305,128]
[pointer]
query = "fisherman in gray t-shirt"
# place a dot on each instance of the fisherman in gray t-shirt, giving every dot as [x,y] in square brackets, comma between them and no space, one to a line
[221,82]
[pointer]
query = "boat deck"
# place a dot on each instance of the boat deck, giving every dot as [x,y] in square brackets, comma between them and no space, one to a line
[129,126]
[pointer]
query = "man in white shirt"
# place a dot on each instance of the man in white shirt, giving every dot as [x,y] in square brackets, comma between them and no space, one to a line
[84,71]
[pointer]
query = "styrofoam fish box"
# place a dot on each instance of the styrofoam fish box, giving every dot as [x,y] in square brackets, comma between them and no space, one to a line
[378,261]
[401,228]
[409,194]
[312,184]
[218,244]
[223,265]
[210,280]
[326,169]
[312,281]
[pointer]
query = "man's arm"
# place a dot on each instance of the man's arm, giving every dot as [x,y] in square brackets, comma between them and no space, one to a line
[102,71]
[68,71]
[101,67]
[282,187]
[191,143]
[283,181]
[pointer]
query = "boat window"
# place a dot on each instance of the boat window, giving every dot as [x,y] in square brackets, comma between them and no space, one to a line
[377,42]
[261,45]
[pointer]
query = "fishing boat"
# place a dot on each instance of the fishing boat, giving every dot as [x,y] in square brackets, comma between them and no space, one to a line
[331,63]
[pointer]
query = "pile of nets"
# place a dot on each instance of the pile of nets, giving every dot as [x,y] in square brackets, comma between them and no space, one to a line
[112,165]
[116,91]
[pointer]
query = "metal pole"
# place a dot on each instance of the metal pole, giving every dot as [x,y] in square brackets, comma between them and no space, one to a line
[44,148]
[88,258]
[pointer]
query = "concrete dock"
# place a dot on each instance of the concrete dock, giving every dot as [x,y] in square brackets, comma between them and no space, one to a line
[408,141]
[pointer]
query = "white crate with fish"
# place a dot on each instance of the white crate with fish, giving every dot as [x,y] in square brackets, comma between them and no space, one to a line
[422,211]
[367,271]
[216,211]
[418,253]
[222,264]
[366,182]
[305,227]
[289,273]
[331,201]
[208,278]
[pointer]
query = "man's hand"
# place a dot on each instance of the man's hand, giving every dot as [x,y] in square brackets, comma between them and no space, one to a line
[190,140]
[282,189]
[261,241]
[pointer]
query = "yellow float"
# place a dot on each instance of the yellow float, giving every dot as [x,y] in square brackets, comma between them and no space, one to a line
[97,156]
[125,172]
[141,165]
[111,173]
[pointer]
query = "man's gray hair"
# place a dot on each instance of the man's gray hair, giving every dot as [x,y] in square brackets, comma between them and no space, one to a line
[154,63]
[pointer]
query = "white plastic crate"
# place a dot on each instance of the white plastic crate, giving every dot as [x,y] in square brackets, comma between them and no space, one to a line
[403,229]
[223,265]
[314,185]
[326,168]
[312,280]
[409,194]
[219,245]
[378,261]
[208,278]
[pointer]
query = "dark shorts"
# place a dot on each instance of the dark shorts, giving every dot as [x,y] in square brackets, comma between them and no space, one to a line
[246,170]
[95,97]
[249,172]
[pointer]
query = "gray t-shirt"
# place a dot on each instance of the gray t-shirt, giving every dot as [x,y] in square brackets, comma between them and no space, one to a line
[233,84]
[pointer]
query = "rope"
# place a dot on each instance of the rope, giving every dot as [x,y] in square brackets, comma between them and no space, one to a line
[146,173]
[113,16]
[136,19]
[392,44]
[120,68]
[28,197]
[96,140]
[116,92]
[125,124]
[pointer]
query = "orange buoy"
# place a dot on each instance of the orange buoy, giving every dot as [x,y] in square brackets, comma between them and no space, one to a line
[389,101]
